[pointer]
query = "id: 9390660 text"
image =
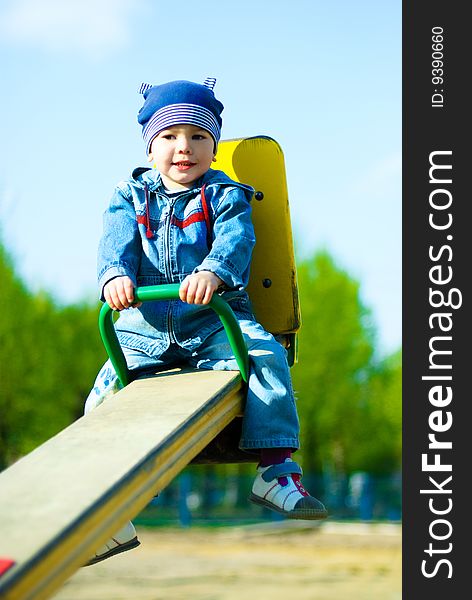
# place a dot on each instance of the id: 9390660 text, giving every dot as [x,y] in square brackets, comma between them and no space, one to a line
[437,67]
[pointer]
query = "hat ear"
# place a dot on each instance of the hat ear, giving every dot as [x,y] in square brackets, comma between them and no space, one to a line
[209,83]
[144,87]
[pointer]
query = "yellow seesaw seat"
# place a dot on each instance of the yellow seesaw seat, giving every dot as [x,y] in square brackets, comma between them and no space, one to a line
[273,288]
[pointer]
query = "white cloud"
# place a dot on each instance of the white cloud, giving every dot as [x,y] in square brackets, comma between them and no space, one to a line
[93,27]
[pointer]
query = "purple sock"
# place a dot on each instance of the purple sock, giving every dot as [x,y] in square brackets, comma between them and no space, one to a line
[274,456]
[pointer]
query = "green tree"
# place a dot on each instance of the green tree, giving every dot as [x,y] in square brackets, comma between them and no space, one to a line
[14,341]
[379,420]
[337,380]
[49,356]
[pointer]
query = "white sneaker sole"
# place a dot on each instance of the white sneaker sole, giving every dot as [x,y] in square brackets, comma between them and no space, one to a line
[311,514]
[116,550]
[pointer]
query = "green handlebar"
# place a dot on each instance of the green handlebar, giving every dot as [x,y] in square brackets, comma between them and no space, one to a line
[171,292]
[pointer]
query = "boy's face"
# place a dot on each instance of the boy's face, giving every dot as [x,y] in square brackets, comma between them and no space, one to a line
[182,154]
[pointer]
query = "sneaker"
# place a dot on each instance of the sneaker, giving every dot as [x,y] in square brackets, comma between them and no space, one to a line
[125,539]
[279,488]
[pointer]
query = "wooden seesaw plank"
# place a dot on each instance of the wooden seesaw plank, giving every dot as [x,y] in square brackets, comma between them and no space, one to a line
[66,498]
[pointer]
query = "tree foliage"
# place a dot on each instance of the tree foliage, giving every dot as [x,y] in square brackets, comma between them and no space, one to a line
[49,356]
[348,402]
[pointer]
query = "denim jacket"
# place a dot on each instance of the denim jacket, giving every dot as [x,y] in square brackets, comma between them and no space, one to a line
[155,238]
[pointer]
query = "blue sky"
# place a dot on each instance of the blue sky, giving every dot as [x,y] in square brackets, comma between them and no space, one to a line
[322,78]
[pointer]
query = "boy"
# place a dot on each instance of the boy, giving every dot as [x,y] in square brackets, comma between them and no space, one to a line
[186,223]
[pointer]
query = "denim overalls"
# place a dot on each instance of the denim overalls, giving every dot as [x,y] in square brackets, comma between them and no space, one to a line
[155,237]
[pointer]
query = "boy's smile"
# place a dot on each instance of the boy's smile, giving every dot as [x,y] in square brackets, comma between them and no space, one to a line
[182,154]
[183,165]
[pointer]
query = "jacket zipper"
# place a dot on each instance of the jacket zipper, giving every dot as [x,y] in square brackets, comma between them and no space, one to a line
[168,265]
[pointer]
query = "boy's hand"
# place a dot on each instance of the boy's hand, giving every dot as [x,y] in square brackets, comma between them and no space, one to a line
[119,293]
[198,288]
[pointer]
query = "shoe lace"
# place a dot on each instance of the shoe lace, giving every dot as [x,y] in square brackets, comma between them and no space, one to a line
[283,481]
[298,483]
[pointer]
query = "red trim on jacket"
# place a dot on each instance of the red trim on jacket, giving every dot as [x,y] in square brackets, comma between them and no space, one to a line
[180,223]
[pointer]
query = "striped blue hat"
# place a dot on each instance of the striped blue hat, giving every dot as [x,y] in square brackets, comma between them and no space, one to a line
[179,103]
